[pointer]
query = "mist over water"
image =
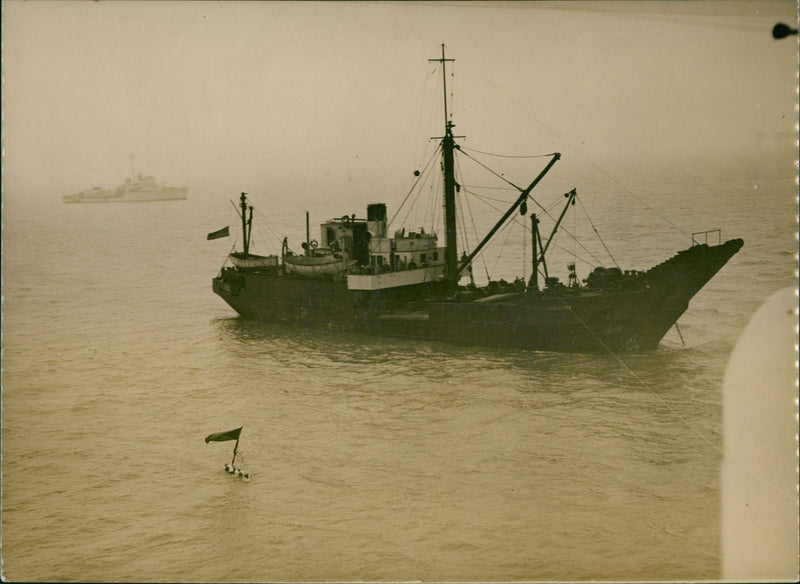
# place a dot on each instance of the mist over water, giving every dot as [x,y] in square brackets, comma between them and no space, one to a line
[315,97]
[373,458]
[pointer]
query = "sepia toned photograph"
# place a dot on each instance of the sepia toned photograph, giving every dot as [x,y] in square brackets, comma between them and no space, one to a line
[399,291]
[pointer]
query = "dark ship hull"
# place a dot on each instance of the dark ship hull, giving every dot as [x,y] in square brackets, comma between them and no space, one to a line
[630,313]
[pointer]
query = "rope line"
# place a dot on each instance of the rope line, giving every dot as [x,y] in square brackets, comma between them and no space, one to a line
[503,247]
[475,229]
[608,251]
[489,188]
[583,323]
[574,149]
[462,231]
[508,155]
[414,185]
[275,233]
[516,219]
[675,412]
[225,261]
[498,175]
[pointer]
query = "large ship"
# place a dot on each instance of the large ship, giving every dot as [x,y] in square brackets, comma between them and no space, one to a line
[358,276]
[138,187]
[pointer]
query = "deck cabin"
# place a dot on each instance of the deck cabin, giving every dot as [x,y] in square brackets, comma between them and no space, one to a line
[407,258]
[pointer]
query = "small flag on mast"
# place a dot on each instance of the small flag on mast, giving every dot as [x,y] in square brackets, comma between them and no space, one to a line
[223,436]
[224,232]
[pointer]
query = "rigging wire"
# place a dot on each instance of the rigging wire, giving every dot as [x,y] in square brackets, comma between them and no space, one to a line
[462,230]
[577,151]
[583,323]
[467,188]
[509,230]
[257,213]
[434,195]
[501,177]
[275,233]
[421,108]
[608,251]
[581,258]
[497,174]
[225,261]
[426,211]
[475,228]
[515,219]
[506,155]
[418,195]
[575,231]
[452,89]
[413,204]
[436,207]
[421,177]
[490,188]
[608,349]
[466,248]
[260,231]
[675,412]
[555,203]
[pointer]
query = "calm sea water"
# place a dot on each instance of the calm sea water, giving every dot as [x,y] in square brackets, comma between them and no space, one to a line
[373,459]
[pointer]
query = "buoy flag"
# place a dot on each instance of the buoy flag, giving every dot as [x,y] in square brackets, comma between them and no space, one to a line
[223,436]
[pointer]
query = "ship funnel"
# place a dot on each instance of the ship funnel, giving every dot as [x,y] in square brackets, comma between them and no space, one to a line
[376,219]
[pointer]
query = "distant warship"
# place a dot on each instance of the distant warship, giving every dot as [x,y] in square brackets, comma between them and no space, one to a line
[137,188]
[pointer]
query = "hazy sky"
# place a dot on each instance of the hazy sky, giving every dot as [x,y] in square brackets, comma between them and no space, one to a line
[312,96]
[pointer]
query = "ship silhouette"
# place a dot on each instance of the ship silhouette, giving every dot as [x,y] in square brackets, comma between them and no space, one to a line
[360,277]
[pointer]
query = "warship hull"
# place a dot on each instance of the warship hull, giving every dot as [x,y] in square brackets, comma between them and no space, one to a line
[165,194]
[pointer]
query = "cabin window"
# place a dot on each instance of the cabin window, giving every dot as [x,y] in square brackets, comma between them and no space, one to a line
[422,258]
[435,256]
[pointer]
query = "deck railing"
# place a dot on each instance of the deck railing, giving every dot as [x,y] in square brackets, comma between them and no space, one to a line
[702,236]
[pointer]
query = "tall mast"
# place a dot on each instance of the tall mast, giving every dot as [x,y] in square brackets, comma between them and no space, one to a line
[245,235]
[534,283]
[448,168]
[308,237]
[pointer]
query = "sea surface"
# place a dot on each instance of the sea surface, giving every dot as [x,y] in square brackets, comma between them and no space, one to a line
[372,458]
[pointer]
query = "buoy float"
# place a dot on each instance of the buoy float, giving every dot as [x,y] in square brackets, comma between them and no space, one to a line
[237,472]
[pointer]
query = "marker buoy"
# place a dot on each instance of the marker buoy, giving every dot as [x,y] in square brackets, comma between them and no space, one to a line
[230,469]
[232,435]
